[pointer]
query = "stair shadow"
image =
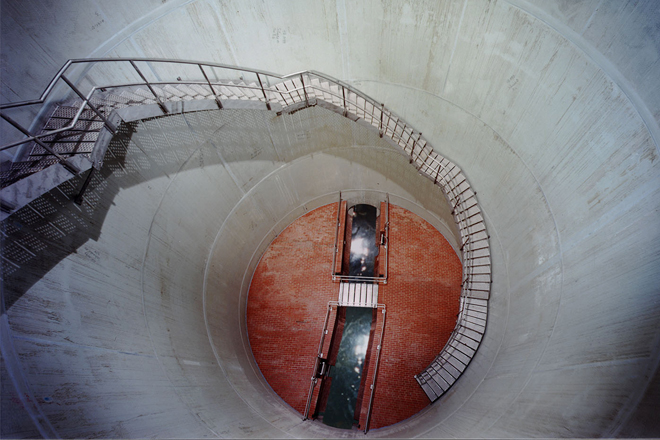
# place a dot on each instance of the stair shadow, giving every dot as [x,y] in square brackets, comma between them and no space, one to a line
[37,237]
[50,228]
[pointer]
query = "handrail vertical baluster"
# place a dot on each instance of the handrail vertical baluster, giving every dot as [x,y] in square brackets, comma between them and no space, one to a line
[217,98]
[444,175]
[435,181]
[373,383]
[153,92]
[302,81]
[79,198]
[387,125]
[380,127]
[263,91]
[412,131]
[413,150]
[316,362]
[41,143]
[107,123]
[343,94]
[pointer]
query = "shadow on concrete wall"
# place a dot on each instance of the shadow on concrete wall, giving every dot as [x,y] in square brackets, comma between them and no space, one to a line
[42,234]
[50,228]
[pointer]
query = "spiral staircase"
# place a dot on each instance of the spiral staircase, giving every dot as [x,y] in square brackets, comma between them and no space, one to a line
[77,120]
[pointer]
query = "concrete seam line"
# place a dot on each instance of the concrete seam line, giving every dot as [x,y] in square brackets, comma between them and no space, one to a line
[491,227]
[206,321]
[451,57]
[343,36]
[20,382]
[132,28]
[559,251]
[610,70]
[223,28]
[205,286]
[628,409]
[142,281]
[208,264]
[564,31]
[651,124]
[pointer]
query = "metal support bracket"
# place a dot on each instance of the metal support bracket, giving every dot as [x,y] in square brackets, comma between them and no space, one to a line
[79,198]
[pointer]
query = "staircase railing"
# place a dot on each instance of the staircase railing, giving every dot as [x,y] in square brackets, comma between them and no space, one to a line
[92,82]
[87,65]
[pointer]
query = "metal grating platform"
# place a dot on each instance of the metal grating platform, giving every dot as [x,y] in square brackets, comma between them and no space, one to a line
[358,295]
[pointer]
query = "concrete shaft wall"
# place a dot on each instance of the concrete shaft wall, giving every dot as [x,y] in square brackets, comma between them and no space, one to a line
[551,108]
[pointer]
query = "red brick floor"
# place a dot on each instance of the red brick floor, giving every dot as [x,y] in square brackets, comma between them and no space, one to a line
[291,288]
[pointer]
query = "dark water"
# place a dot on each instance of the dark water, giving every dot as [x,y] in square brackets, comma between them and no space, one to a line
[363,241]
[347,372]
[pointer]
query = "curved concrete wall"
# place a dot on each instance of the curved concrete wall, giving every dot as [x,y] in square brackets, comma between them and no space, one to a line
[550,108]
[169,237]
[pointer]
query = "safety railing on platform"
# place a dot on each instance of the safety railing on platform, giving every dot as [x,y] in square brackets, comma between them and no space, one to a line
[96,87]
[382,240]
[321,367]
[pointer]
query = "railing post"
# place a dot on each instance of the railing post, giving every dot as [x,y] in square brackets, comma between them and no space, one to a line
[396,125]
[316,362]
[343,94]
[153,92]
[217,98]
[373,382]
[387,237]
[380,126]
[334,254]
[107,123]
[387,124]
[304,90]
[412,131]
[403,131]
[79,198]
[263,91]
[412,151]
[72,169]
[435,181]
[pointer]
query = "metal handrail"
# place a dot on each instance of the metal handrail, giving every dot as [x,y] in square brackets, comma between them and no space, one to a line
[92,61]
[372,387]
[335,254]
[314,378]
[355,103]
[319,355]
[86,99]
[200,64]
[71,62]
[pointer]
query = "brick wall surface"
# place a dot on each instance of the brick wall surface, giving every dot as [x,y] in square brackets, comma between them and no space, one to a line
[292,285]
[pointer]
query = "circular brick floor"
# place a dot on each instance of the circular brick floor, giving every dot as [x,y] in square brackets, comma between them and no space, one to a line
[292,285]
